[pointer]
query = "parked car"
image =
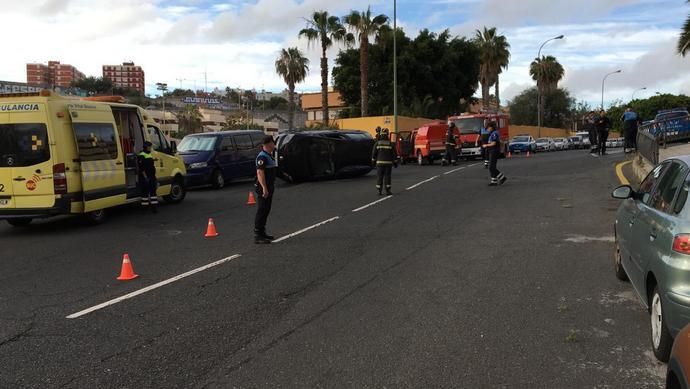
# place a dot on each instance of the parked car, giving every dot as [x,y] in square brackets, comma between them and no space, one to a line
[218,157]
[546,144]
[620,142]
[522,144]
[652,248]
[611,143]
[575,142]
[328,154]
[561,143]
[678,371]
[586,143]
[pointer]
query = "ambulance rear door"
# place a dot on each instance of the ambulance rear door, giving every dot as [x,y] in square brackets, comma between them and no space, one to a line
[100,156]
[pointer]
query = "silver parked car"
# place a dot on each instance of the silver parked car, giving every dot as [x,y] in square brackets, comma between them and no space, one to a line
[652,241]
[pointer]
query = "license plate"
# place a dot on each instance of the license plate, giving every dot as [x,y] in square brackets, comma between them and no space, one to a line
[4,201]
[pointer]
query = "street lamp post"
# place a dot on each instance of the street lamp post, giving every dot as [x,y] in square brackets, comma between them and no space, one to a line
[395,66]
[163,87]
[539,91]
[637,90]
[602,86]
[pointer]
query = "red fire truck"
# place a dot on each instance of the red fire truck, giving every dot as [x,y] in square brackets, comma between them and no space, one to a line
[470,126]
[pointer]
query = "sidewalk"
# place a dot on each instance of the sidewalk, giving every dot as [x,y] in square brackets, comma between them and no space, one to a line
[641,167]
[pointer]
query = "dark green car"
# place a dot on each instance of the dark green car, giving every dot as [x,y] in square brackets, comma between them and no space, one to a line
[652,232]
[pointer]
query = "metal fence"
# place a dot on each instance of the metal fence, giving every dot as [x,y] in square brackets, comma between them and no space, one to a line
[648,145]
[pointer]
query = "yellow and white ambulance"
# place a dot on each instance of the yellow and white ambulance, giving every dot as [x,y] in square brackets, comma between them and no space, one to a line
[62,155]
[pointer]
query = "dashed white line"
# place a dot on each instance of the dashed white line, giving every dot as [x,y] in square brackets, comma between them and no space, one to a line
[286,237]
[371,204]
[422,183]
[454,170]
[151,287]
[474,164]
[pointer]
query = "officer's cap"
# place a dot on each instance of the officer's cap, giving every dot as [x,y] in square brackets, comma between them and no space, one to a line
[267,140]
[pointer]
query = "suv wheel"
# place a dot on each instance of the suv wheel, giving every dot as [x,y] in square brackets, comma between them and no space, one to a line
[96,217]
[217,180]
[660,336]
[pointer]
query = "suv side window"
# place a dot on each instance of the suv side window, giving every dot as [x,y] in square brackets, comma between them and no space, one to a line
[649,183]
[226,144]
[243,142]
[665,192]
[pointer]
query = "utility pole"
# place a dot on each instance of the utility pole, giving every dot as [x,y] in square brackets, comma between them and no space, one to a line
[602,86]
[163,87]
[395,66]
[538,90]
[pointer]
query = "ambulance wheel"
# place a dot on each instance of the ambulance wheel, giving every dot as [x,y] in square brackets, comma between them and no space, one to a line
[217,180]
[96,217]
[21,222]
[177,192]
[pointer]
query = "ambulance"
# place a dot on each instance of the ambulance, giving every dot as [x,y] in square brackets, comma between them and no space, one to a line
[70,156]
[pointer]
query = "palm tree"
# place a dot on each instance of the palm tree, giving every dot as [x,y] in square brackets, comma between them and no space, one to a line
[547,72]
[684,41]
[494,57]
[293,67]
[189,119]
[325,29]
[363,26]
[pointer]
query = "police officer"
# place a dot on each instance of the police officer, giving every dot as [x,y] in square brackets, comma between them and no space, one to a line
[451,146]
[493,149]
[264,187]
[481,141]
[630,120]
[148,184]
[385,158]
[602,125]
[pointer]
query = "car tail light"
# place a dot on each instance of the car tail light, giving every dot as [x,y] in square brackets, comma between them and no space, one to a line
[59,179]
[681,244]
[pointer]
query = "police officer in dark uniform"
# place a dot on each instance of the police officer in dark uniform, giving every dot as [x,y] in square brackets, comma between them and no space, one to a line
[482,140]
[385,158]
[493,149]
[602,125]
[451,146]
[265,186]
[148,184]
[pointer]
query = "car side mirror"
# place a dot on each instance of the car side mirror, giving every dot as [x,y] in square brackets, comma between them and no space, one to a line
[173,147]
[623,192]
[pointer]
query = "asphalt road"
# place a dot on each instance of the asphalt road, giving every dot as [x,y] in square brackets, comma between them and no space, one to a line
[449,284]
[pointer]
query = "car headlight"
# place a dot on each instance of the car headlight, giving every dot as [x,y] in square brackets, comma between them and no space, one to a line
[198,165]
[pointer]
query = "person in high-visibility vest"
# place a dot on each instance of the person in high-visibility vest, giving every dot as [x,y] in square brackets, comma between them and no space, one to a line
[148,184]
[384,156]
[451,147]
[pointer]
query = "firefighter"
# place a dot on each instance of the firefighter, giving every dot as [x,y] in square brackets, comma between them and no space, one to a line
[147,178]
[385,158]
[493,149]
[378,133]
[451,146]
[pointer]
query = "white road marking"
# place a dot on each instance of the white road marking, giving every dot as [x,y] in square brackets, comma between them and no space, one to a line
[454,170]
[371,204]
[422,183]
[587,239]
[474,164]
[151,287]
[286,237]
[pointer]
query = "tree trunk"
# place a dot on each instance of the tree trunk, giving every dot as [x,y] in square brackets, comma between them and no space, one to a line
[291,106]
[498,98]
[485,93]
[324,87]
[364,75]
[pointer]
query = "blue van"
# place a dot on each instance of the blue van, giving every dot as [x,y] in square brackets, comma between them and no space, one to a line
[218,157]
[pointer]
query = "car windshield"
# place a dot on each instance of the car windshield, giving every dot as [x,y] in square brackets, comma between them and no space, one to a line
[542,140]
[197,143]
[469,125]
[521,139]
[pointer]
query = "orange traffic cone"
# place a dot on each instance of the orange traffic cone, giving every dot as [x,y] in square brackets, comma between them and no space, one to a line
[251,200]
[211,230]
[127,272]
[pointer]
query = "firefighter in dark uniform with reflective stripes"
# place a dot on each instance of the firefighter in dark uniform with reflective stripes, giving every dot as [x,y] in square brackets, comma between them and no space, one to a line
[148,184]
[385,158]
[451,146]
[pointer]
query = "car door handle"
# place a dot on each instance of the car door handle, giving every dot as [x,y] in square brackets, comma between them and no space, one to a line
[118,163]
[20,179]
[631,222]
[652,236]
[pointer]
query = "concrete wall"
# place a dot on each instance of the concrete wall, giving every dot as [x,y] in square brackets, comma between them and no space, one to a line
[534,131]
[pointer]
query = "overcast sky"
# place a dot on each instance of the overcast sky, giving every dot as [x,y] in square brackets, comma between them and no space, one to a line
[236,42]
